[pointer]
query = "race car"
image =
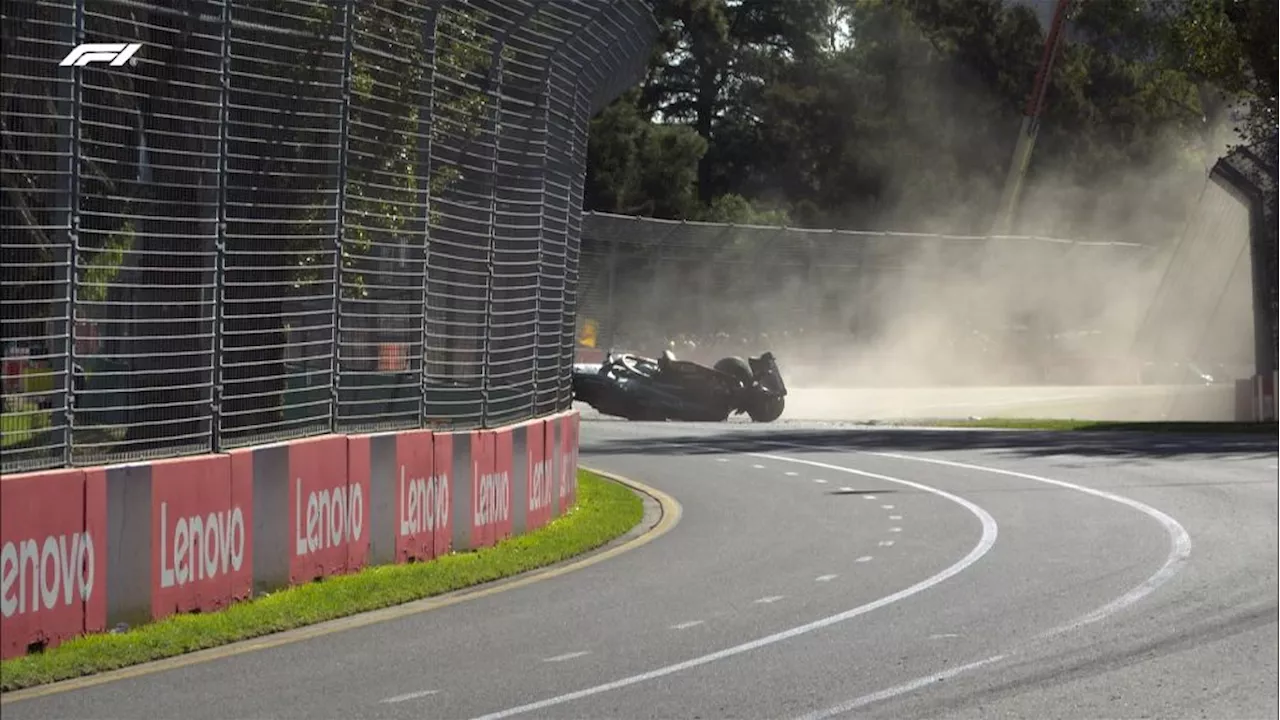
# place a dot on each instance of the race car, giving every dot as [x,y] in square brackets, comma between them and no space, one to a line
[640,388]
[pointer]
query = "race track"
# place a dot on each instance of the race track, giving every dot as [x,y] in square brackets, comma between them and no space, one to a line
[822,571]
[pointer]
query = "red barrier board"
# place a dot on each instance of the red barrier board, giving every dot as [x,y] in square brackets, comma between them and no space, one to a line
[201,548]
[443,472]
[541,474]
[95,526]
[359,485]
[329,515]
[503,469]
[52,559]
[490,493]
[553,460]
[569,460]
[422,496]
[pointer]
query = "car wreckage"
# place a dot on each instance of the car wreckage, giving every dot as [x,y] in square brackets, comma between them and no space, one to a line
[640,388]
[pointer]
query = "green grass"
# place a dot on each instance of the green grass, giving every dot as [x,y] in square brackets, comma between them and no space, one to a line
[1101,425]
[605,511]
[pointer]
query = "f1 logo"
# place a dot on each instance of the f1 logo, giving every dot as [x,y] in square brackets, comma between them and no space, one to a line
[116,53]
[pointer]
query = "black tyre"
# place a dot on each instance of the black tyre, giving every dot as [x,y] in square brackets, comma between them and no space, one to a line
[765,408]
[736,368]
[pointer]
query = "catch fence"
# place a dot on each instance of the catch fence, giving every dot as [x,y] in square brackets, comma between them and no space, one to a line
[289,218]
[707,290]
[1251,171]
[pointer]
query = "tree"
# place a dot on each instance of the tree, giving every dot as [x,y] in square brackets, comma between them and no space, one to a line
[641,168]
[902,113]
[716,57]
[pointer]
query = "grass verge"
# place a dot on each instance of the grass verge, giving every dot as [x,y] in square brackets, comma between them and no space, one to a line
[1100,425]
[605,511]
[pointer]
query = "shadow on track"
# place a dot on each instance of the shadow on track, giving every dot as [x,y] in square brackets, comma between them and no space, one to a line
[1017,443]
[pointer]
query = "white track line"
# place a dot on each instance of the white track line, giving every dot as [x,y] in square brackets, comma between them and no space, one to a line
[897,690]
[985,543]
[686,625]
[1179,552]
[566,656]
[408,696]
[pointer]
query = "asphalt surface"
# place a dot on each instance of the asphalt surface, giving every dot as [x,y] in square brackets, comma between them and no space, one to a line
[1119,403]
[824,570]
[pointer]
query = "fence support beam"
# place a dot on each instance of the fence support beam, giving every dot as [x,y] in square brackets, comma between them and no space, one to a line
[220,262]
[339,241]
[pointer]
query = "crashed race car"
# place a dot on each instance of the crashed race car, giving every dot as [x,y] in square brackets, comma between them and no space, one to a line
[640,388]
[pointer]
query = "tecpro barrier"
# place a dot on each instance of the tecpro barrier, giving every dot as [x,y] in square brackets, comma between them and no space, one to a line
[86,550]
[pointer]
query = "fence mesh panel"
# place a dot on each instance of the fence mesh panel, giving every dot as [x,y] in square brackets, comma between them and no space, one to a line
[708,290]
[35,224]
[287,218]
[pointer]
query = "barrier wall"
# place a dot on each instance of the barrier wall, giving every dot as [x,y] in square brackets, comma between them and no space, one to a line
[1257,400]
[84,550]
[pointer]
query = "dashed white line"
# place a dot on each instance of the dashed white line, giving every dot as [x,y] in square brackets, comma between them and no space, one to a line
[846,489]
[886,507]
[895,517]
[1179,553]
[983,546]
[758,467]
[686,625]
[770,599]
[864,558]
[825,578]
[820,481]
[895,529]
[792,474]
[868,497]
[722,459]
[885,543]
[567,656]
[408,696]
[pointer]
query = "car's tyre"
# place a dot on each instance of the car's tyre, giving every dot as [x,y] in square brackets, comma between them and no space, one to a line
[765,408]
[736,368]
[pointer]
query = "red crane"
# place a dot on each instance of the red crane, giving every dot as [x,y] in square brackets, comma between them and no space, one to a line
[1030,123]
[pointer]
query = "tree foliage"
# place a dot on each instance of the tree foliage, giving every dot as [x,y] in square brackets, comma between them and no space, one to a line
[897,112]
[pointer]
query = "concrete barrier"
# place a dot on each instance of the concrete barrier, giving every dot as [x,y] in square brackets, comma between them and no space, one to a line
[1256,398]
[84,550]
[53,579]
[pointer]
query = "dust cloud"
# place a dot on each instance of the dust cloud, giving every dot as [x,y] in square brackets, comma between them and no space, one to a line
[1146,316]
[1159,327]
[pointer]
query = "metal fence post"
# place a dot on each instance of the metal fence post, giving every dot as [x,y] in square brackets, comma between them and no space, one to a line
[73,250]
[220,250]
[495,87]
[544,103]
[335,364]
[568,334]
[426,126]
